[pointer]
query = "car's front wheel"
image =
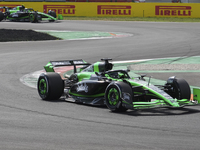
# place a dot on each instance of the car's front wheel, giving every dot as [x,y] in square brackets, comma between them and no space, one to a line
[33,17]
[182,89]
[113,99]
[179,88]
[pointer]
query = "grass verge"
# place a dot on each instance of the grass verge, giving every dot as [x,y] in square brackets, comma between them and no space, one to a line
[153,19]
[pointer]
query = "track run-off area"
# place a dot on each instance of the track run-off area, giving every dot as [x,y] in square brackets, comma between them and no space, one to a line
[27,122]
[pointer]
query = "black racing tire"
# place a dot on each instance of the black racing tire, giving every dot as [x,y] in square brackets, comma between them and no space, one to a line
[181,89]
[1,16]
[33,17]
[53,14]
[113,100]
[50,86]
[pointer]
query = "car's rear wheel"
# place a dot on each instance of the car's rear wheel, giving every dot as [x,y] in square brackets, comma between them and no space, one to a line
[113,100]
[50,86]
[1,16]
[33,17]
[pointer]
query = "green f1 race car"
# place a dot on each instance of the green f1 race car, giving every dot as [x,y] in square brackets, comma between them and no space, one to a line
[20,13]
[98,84]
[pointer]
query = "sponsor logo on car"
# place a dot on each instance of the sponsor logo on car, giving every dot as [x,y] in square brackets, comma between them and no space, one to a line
[122,10]
[60,9]
[173,10]
[15,15]
[82,87]
[60,63]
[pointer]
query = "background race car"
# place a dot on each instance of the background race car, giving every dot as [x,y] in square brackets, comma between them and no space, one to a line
[20,13]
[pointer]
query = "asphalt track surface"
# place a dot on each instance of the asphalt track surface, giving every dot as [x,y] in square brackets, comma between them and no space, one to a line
[27,122]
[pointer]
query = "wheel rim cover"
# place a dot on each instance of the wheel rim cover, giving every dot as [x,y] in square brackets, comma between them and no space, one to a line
[43,86]
[113,96]
[31,17]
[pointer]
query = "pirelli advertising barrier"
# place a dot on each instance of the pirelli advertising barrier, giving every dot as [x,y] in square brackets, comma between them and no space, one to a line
[188,10]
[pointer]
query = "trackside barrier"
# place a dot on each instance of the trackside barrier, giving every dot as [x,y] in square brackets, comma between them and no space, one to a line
[181,10]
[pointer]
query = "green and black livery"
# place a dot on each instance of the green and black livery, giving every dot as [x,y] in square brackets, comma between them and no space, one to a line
[20,13]
[98,84]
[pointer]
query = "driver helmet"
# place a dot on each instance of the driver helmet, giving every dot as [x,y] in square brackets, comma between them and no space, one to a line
[22,8]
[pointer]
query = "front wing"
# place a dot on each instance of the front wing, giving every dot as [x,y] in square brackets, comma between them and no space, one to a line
[162,103]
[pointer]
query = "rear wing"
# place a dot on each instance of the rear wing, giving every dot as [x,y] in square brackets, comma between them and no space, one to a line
[5,7]
[2,8]
[50,65]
